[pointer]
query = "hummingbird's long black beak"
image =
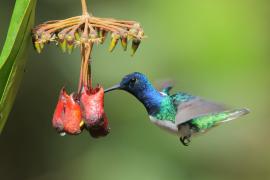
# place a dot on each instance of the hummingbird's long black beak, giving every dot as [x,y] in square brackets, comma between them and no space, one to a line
[117,86]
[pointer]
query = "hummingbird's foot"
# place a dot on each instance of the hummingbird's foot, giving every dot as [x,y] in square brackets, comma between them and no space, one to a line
[185,140]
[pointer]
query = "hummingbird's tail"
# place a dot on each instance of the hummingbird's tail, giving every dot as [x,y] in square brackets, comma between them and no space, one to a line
[211,120]
[234,114]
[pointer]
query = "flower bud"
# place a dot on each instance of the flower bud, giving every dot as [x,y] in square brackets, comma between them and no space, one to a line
[77,36]
[114,41]
[92,105]
[124,42]
[38,47]
[45,37]
[135,45]
[102,34]
[133,32]
[62,42]
[67,117]
[70,42]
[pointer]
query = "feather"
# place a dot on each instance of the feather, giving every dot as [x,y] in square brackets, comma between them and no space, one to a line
[194,108]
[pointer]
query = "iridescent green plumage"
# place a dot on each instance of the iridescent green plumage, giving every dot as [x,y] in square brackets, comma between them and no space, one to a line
[180,113]
[208,121]
[167,110]
[213,119]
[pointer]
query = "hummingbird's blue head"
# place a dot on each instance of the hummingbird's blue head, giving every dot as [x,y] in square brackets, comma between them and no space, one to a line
[138,85]
[133,83]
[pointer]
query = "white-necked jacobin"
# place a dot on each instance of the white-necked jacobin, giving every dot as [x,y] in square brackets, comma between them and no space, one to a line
[179,113]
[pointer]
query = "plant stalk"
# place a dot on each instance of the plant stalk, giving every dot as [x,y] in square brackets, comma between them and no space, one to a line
[84,7]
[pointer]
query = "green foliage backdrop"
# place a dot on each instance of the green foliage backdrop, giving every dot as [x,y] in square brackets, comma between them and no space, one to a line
[14,54]
[215,49]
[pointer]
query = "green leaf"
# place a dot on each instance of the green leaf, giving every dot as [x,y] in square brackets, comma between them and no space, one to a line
[14,55]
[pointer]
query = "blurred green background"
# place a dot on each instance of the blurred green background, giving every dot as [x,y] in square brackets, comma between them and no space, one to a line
[215,49]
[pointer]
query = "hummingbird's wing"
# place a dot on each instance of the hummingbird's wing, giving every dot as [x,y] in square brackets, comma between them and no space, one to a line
[164,86]
[195,107]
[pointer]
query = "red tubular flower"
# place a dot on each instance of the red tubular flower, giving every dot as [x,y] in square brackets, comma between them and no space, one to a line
[92,105]
[67,117]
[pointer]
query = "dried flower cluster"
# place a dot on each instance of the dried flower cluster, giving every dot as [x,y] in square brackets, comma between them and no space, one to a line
[73,32]
[84,109]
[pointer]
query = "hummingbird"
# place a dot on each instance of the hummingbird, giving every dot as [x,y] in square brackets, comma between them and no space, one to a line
[182,114]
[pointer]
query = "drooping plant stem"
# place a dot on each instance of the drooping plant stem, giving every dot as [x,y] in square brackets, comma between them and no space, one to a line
[84,7]
[86,49]
[81,72]
[89,73]
[85,73]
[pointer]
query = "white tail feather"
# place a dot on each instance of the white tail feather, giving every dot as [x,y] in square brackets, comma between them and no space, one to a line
[236,114]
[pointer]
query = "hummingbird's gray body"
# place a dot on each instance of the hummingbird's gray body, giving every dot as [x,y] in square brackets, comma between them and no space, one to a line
[180,113]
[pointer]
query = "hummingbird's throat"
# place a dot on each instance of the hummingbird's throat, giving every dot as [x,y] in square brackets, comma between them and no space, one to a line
[152,100]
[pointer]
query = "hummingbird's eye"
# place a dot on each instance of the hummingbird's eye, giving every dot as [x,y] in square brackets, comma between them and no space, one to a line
[132,82]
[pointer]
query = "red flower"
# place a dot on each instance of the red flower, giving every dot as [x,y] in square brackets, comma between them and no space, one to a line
[92,105]
[67,117]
